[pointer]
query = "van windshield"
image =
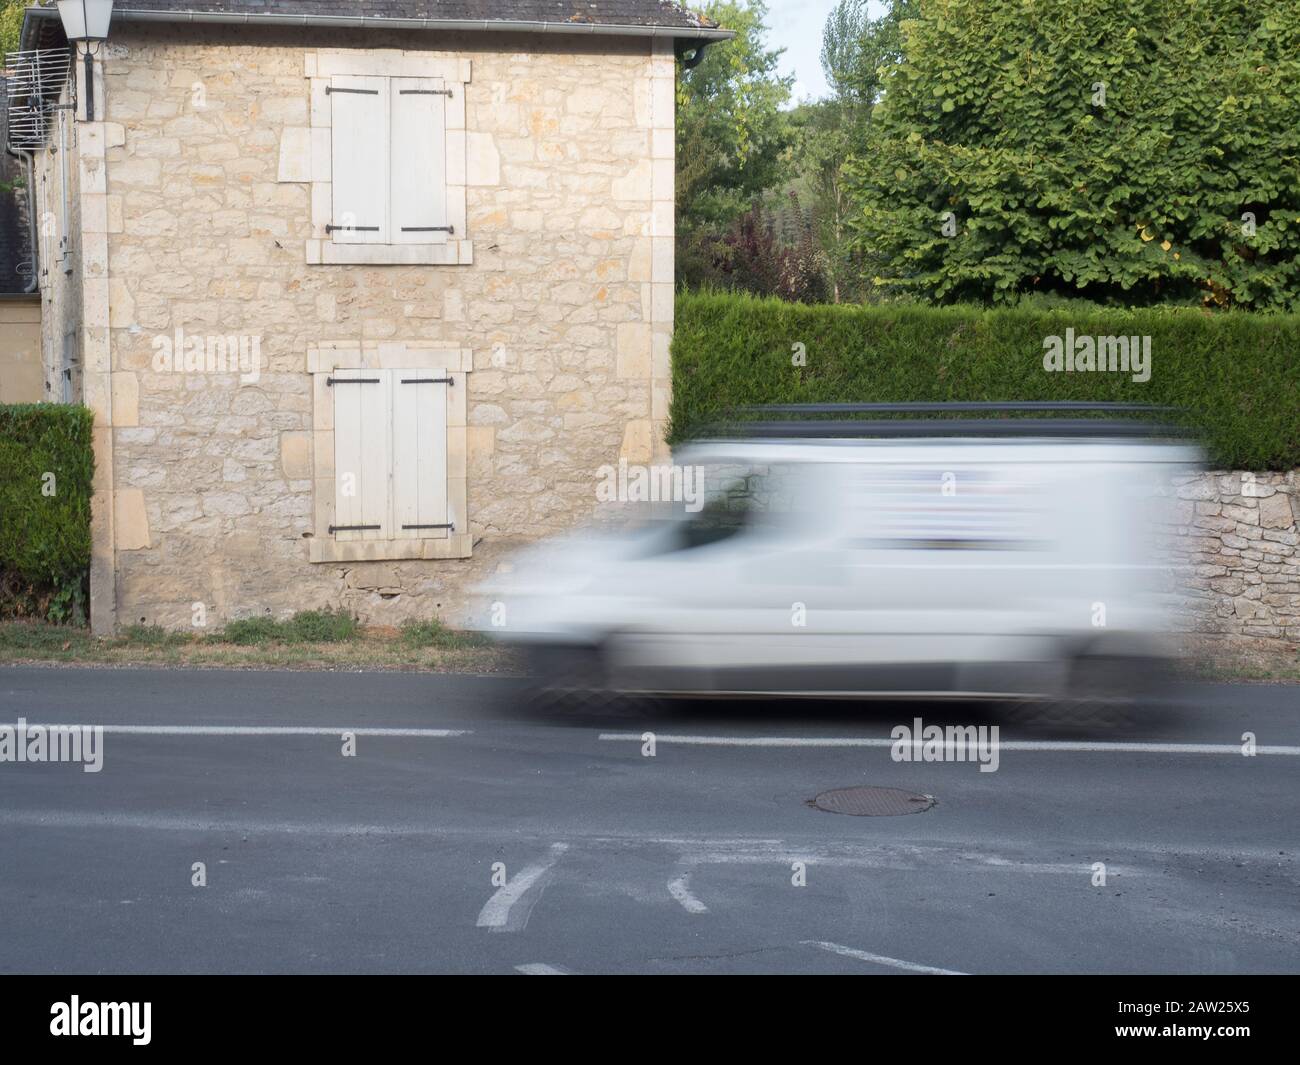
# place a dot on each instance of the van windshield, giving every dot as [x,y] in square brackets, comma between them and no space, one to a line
[735,499]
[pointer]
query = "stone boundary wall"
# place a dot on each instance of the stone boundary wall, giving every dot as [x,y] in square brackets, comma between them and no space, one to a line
[1238,531]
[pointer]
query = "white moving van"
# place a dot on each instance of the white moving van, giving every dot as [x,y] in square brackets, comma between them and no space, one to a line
[947,557]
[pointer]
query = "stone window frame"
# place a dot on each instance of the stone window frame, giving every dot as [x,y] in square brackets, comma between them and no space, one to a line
[322,360]
[316,159]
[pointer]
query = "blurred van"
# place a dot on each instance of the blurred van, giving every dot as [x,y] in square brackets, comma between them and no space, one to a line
[951,556]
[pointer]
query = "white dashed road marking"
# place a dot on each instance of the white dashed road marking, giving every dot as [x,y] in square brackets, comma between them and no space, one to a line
[537,968]
[880,959]
[508,909]
[950,748]
[251,730]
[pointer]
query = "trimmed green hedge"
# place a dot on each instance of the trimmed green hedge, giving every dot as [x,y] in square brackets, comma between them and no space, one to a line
[46,468]
[1235,374]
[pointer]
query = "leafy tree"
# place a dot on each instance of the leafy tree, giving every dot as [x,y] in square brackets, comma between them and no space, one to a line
[731,132]
[824,134]
[856,52]
[1133,151]
[11,24]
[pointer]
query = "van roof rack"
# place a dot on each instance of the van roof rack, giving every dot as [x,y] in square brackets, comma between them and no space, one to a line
[813,423]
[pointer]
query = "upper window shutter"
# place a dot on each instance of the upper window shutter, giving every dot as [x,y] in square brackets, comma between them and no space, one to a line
[420,453]
[419,161]
[362,482]
[359,122]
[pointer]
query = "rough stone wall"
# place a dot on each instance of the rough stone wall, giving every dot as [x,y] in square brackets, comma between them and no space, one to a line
[1238,532]
[567,307]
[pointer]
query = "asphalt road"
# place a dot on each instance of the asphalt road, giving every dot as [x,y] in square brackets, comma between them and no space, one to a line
[615,861]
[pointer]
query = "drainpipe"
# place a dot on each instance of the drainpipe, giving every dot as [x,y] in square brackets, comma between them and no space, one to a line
[31,216]
[66,236]
[696,56]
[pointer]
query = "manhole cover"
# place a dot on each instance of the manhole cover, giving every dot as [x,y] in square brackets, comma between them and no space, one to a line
[872,802]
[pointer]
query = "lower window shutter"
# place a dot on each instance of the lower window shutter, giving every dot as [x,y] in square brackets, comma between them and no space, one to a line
[362,480]
[419,161]
[420,454]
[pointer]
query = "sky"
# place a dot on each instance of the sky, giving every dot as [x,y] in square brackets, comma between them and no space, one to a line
[796,26]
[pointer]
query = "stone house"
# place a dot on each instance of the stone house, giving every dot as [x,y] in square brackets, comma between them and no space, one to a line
[361,292]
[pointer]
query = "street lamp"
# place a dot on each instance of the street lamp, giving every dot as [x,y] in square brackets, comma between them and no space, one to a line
[85,23]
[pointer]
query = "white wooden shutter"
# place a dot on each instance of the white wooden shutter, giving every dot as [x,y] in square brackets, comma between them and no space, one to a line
[362,454]
[419,454]
[360,154]
[419,161]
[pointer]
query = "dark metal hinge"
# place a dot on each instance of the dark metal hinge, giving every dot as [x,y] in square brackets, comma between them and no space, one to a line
[423,92]
[352,528]
[428,381]
[356,92]
[449,526]
[330,382]
[352,229]
[428,229]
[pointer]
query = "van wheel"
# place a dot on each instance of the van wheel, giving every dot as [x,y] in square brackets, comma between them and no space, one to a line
[1102,694]
[573,683]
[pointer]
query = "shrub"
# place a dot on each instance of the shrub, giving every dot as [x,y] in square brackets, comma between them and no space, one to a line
[1234,375]
[46,471]
[763,253]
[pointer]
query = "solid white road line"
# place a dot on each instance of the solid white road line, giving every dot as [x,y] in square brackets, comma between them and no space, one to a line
[249,730]
[508,909]
[680,889]
[537,968]
[1002,745]
[880,959]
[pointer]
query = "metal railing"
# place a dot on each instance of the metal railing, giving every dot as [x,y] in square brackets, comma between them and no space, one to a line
[36,80]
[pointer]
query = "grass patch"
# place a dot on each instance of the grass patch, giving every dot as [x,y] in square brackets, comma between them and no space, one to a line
[261,643]
[248,632]
[433,633]
[306,626]
[37,640]
[154,636]
[322,626]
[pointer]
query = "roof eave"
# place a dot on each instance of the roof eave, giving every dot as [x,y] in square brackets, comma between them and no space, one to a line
[687,33]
